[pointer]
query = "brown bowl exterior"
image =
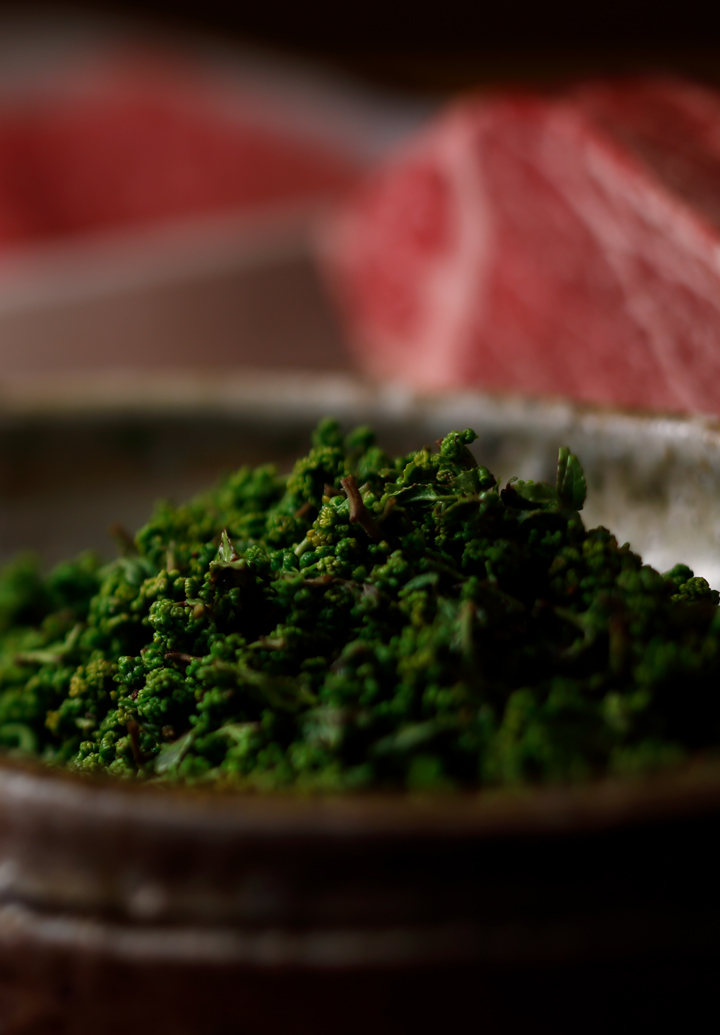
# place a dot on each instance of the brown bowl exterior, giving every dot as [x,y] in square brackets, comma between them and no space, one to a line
[202,912]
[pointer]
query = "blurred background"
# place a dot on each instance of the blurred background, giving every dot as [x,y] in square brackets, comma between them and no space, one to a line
[164,169]
[431,47]
[163,164]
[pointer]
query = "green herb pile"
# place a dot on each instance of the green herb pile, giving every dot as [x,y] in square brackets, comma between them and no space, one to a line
[362,622]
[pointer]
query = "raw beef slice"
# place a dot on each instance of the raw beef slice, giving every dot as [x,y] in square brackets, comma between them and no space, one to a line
[143,139]
[546,244]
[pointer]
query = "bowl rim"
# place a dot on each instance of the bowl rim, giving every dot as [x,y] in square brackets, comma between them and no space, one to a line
[678,793]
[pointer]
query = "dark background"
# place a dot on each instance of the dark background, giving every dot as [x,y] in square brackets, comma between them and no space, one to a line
[448,44]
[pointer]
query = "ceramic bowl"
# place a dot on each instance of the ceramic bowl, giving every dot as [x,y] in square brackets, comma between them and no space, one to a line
[128,908]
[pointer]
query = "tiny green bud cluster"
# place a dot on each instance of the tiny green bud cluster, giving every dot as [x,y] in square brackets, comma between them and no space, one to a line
[362,622]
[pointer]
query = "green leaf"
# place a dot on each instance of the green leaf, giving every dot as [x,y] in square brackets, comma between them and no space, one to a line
[529,495]
[408,738]
[571,484]
[536,492]
[239,732]
[53,653]
[418,493]
[18,736]
[171,755]
[226,550]
[428,578]
[467,483]
[229,563]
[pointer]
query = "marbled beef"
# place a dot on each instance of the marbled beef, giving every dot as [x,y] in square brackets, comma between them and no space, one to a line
[563,244]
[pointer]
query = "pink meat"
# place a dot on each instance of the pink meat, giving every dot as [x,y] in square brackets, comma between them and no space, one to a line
[136,141]
[546,244]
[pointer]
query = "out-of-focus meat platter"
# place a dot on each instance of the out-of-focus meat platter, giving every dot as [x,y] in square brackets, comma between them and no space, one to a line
[158,197]
[562,244]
